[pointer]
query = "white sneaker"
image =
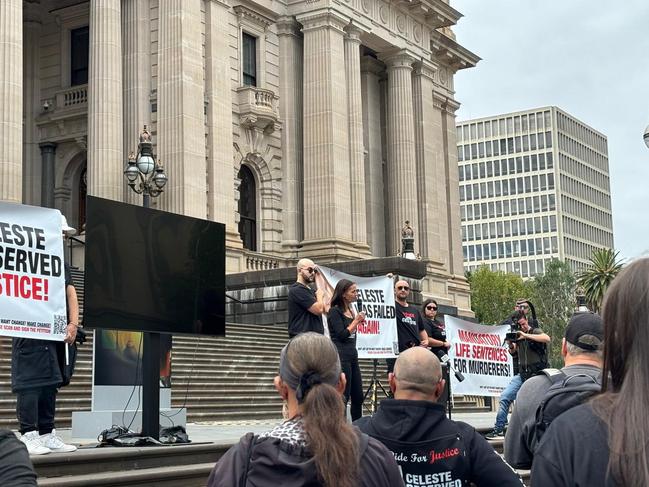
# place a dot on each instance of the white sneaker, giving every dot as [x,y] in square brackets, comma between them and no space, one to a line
[55,444]
[33,443]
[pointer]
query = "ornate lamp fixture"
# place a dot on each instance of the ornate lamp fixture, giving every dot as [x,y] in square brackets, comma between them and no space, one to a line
[145,176]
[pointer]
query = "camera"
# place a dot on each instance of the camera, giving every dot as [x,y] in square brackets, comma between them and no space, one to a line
[511,336]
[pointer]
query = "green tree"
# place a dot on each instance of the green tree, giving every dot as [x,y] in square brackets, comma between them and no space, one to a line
[595,279]
[553,296]
[494,294]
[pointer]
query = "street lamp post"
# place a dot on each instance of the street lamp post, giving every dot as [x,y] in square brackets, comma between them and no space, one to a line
[146,176]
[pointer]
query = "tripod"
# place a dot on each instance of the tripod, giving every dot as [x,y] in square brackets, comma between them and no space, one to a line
[446,373]
[373,388]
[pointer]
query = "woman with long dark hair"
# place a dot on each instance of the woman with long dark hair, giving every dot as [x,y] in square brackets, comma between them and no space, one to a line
[434,328]
[316,446]
[605,442]
[343,322]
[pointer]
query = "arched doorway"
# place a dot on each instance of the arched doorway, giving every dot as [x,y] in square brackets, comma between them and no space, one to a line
[248,208]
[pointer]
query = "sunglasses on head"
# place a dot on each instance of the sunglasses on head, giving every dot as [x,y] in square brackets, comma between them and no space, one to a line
[431,307]
[403,288]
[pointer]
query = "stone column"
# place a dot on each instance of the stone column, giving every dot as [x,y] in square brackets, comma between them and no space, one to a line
[11,100]
[327,200]
[136,35]
[456,264]
[356,149]
[290,110]
[401,169]
[218,83]
[31,179]
[181,122]
[428,179]
[48,153]
[438,140]
[105,130]
[371,70]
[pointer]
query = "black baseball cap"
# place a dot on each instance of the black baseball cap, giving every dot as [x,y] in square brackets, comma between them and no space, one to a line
[584,324]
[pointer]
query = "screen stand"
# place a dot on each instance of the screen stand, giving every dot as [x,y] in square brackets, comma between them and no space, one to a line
[151,385]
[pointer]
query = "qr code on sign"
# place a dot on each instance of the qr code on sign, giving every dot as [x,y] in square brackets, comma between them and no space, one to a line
[60,324]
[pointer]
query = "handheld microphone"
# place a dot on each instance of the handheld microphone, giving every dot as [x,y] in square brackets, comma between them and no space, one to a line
[359,305]
[446,360]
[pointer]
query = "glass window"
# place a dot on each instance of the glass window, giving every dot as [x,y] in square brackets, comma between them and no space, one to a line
[247,208]
[550,181]
[503,146]
[526,143]
[532,141]
[519,165]
[493,251]
[490,169]
[517,123]
[517,144]
[488,148]
[492,230]
[470,233]
[501,250]
[462,193]
[496,165]
[497,188]
[535,183]
[546,224]
[507,226]
[526,163]
[524,126]
[506,208]
[543,182]
[541,142]
[548,159]
[516,248]
[501,123]
[523,247]
[555,245]
[514,207]
[524,271]
[79,49]
[469,212]
[539,246]
[491,209]
[548,122]
[460,153]
[483,210]
[508,249]
[553,223]
[521,226]
[548,140]
[539,121]
[496,149]
[473,131]
[478,252]
[529,226]
[483,190]
[249,48]
[474,151]
[510,126]
[519,185]
[487,129]
[499,209]
[474,169]
[544,202]
[499,229]
[480,130]
[532,265]
[537,224]
[482,170]
[471,252]
[510,145]
[532,123]
[514,228]
[533,163]
[485,251]
[481,149]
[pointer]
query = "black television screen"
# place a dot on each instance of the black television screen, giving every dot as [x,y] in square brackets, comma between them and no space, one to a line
[149,270]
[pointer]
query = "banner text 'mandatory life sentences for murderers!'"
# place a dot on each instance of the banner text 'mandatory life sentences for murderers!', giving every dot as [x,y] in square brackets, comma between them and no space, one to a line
[32,278]
[479,353]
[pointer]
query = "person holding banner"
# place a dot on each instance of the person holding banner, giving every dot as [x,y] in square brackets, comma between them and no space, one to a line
[343,323]
[410,325]
[305,306]
[36,377]
[430,449]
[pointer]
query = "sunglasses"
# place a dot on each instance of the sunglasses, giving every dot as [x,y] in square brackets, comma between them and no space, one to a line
[310,270]
[403,288]
[431,307]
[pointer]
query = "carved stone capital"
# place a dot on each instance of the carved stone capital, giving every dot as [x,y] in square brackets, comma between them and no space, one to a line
[323,19]
[287,26]
[400,59]
[353,33]
[426,69]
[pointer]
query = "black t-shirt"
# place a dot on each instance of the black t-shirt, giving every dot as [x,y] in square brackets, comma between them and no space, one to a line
[345,342]
[409,324]
[300,319]
[437,331]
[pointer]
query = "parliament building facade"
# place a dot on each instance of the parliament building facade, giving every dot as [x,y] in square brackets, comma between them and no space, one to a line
[310,128]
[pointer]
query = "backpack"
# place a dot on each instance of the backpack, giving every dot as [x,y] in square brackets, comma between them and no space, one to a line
[564,393]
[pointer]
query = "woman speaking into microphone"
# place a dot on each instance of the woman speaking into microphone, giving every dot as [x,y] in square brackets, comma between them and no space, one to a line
[343,322]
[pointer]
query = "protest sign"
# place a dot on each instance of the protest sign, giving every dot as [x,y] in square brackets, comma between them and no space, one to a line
[377,337]
[478,352]
[32,275]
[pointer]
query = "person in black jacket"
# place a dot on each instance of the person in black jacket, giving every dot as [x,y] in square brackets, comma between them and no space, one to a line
[424,442]
[36,377]
[315,446]
[343,322]
[436,338]
[605,442]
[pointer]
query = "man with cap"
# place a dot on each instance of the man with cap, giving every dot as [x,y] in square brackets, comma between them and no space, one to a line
[582,352]
[36,377]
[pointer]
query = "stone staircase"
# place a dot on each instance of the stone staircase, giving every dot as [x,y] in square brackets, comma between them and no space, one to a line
[218,379]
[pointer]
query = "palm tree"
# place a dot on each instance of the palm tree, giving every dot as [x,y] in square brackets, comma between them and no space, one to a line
[603,268]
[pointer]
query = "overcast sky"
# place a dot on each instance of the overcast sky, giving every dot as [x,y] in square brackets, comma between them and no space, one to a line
[588,57]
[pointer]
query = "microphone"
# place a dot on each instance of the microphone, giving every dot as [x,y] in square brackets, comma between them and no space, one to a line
[359,305]
[446,360]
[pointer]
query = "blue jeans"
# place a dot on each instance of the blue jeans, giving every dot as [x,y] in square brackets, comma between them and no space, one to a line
[506,398]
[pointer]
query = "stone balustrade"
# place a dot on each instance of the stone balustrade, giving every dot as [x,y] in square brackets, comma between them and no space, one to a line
[73,97]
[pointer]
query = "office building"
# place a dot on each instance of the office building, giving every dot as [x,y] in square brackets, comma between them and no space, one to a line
[534,185]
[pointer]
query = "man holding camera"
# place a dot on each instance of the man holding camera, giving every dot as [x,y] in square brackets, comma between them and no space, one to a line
[528,345]
[305,306]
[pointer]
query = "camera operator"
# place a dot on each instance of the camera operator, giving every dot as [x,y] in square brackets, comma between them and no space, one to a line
[528,345]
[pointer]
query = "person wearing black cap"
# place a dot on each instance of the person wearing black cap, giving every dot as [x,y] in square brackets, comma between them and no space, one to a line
[582,352]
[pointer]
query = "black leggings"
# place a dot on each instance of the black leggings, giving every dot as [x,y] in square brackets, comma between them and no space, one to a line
[354,386]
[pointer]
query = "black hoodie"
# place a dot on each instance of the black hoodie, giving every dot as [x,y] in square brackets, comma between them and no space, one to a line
[453,451]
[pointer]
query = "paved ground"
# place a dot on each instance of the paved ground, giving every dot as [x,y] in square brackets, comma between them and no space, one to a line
[224,432]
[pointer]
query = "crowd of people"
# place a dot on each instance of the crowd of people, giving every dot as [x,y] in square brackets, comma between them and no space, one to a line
[581,425]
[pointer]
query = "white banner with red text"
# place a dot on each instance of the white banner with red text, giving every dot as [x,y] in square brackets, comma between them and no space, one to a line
[479,353]
[32,274]
[377,337]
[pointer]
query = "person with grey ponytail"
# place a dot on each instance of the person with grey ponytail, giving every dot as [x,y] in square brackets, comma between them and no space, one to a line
[315,446]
